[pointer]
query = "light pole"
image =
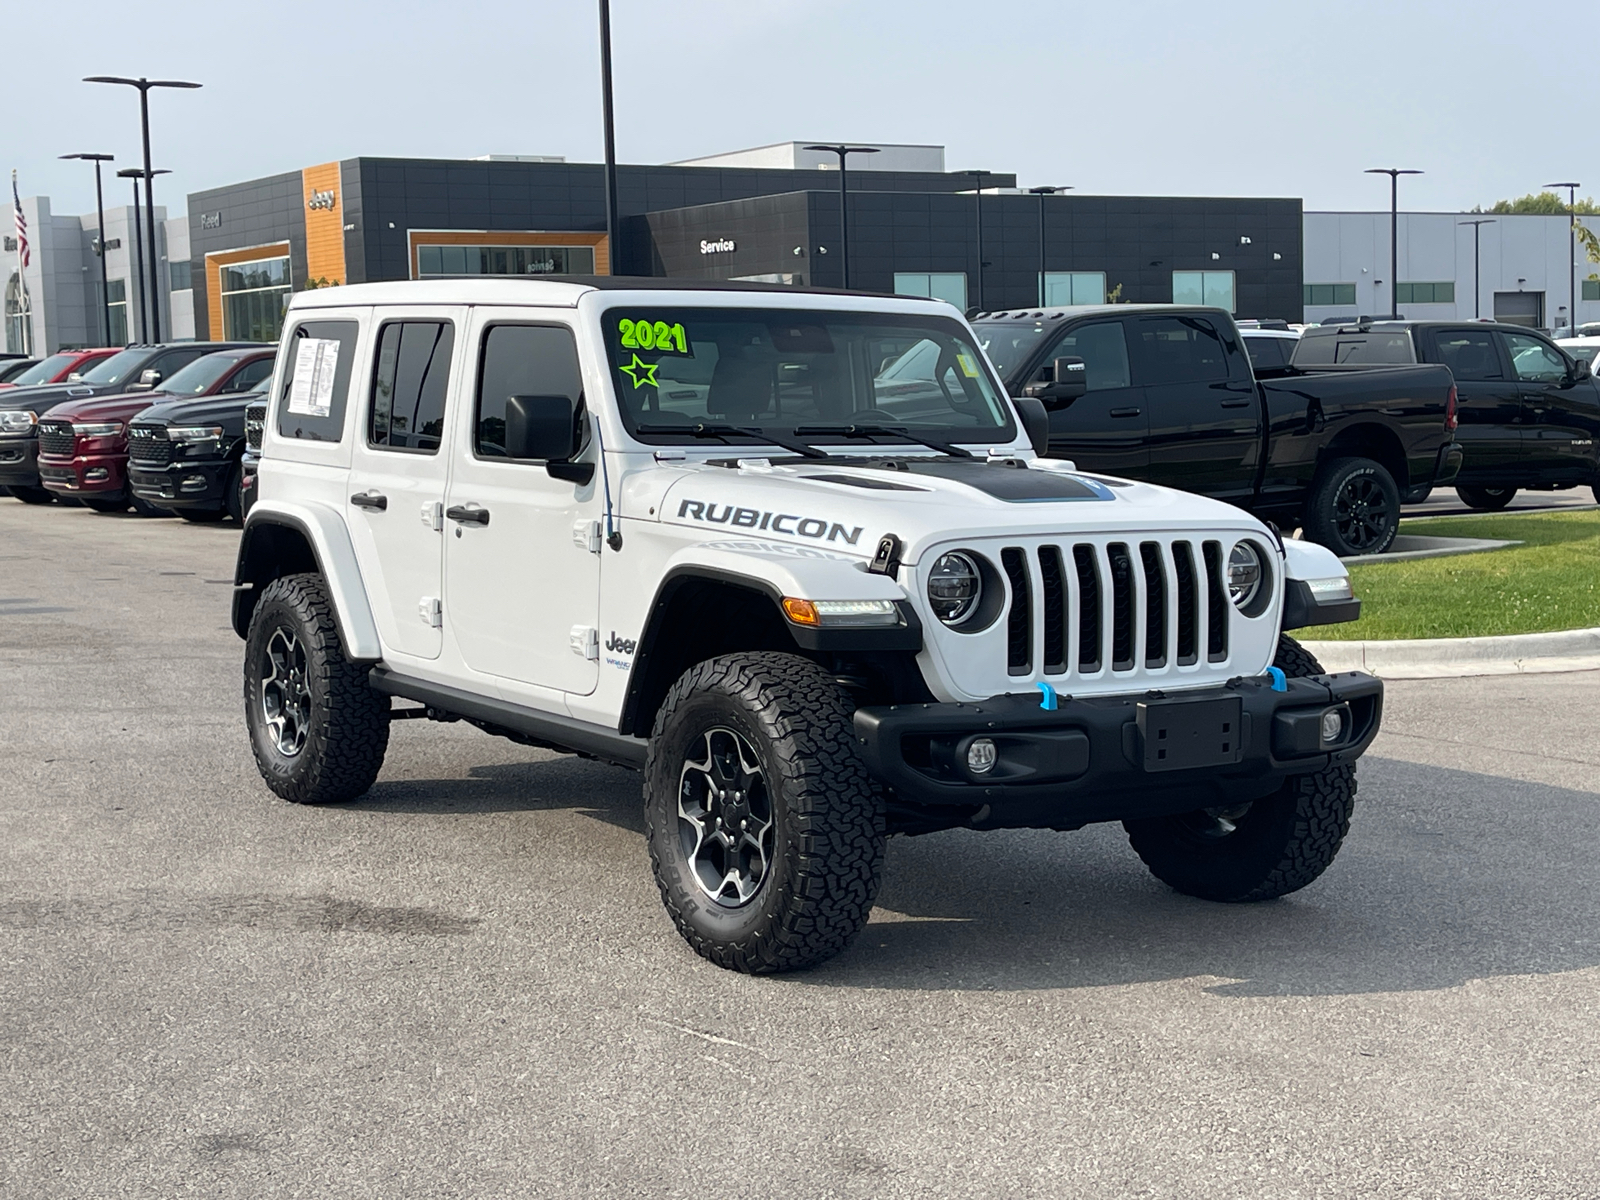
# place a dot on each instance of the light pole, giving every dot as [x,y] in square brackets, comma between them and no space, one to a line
[977,178]
[613,247]
[1042,192]
[1572,255]
[100,238]
[144,85]
[148,301]
[1477,295]
[844,218]
[1394,174]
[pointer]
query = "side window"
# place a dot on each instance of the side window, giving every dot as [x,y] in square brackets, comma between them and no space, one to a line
[520,360]
[409,383]
[1265,353]
[1469,353]
[319,357]
[1178,350]
[1533,360]
[1103,346]
[173,361]
[246,378]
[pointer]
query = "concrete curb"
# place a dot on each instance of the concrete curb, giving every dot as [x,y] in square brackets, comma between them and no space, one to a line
[1454,658]
[1413,546]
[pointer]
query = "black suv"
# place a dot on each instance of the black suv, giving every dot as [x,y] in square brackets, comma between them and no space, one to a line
[1529,412]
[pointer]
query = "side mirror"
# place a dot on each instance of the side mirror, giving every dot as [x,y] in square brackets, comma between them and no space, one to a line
[1035,423]
[1581,370]
[1069,381]
[548,428]
[149,378]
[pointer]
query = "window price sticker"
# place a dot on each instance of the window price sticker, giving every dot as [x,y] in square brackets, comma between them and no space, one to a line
[316,361]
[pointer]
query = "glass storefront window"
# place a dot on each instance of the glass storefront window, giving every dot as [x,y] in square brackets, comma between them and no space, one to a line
[1062,288]
[254,297]
[1211,288]
[117,306]
[936,285]
[19,317]
[437,261]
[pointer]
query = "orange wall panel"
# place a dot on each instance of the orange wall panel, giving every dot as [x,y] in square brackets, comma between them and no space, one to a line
[324,201]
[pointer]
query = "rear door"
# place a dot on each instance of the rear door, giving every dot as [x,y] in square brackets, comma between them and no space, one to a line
[1560,414]
[1205,418]
[1488,401]
[1105,429]
[398,468]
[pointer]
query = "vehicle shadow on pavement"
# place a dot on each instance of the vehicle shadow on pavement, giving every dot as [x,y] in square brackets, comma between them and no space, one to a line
[1447,876]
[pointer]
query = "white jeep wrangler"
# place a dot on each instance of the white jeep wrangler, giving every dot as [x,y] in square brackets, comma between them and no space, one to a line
[794,556]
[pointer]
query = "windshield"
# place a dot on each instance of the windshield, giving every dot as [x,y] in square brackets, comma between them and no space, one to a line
[800,372]
[199,375]
[44,372]
[1011,343]
[117,368]
[1321,350]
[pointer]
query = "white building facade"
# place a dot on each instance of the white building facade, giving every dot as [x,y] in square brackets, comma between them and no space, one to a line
[1520,272]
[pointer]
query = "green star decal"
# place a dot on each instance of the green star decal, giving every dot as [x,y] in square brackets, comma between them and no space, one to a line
[640,372]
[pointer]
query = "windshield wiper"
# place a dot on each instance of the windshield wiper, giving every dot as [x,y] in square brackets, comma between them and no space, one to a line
[709,429]
[884,431]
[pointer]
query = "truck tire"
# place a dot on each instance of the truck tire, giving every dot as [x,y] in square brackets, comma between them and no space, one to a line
[202,516]
[105,506]
[766,833]
[1354,507]
[1486,499]
[318,731]
[32,495]
[233,496]
[1260,850]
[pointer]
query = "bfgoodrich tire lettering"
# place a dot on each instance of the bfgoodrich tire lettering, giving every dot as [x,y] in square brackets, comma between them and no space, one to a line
[826,838]
[1354,507]
[1261,850]
[340,731]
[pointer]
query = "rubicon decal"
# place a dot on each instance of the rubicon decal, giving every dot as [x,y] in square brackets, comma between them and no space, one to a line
[751,518]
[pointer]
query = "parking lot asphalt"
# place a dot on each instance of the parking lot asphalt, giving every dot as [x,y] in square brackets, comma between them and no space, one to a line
[465,985]
[1444,502]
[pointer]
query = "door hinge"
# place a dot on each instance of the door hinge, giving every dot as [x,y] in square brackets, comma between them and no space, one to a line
[586,536]
[431,610]
[433,515]
[585,642]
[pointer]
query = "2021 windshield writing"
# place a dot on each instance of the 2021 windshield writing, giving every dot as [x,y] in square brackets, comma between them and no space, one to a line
[653,335]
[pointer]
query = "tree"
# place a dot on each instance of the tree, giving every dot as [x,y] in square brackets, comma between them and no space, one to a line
[1543,204]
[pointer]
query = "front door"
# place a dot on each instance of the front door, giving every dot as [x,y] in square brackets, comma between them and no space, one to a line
[522,572]
[397,474]
[1488,404]
[1107,428]
[1560,414]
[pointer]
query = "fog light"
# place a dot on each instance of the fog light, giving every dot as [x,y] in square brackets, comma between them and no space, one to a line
[96,475]
[1332,726]
[194,483]
[981,756]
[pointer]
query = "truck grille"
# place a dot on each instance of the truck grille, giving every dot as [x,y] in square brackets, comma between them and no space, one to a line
[55,437]
[255,420]
[149,446]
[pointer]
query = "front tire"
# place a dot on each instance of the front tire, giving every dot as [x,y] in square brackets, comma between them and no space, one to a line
[33,495]
[318,730]
[202,516]
[105,506]
[1354,507]
[766,834]
[1486,499]
[1258,850]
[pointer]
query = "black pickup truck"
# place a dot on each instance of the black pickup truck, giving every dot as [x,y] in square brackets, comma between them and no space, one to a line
[1529,411]
[1166,393]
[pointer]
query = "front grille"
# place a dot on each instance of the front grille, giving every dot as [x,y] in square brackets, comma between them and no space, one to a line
[255,420]
[55,437]
[149,446]
[1144,604]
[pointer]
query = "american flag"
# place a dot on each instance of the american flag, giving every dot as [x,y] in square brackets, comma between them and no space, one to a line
[22,223]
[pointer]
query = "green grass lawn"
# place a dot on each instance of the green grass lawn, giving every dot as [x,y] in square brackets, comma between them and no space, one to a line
[1551,582]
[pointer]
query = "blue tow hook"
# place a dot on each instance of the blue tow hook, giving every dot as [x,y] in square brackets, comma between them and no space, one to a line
[1279,682]
[1047,701]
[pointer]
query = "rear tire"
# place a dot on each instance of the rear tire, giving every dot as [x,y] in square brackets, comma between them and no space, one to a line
[1354,507]
[317,729]
[765,830]
[1486,499]
[33,495]
[1259,850]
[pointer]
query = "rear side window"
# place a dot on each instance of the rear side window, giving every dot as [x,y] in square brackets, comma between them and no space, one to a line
[409,385]
[1330,349]
[1469,353]
[1178,350]
[319,357]
[520,360]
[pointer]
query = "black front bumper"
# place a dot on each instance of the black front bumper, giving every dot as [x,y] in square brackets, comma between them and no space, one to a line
[182,483]
[19,462]
[1110,758]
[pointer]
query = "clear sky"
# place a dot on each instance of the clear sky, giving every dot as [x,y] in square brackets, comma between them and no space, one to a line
[1137,97]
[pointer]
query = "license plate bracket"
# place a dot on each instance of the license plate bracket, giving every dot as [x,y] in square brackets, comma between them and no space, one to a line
[1181,734]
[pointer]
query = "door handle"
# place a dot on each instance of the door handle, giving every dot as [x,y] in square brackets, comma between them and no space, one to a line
[1236,404]
[376,501]
[1124,412]
[468,514]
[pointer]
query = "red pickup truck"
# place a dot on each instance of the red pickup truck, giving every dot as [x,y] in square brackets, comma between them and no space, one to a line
[58,367]
[83,444]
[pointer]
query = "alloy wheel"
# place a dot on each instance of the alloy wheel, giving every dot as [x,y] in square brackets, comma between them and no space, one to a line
[1361,513]
[285,693]
[725,817]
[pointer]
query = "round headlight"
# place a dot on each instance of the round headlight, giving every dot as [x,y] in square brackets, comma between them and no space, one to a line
[954,587]
[1244,574]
